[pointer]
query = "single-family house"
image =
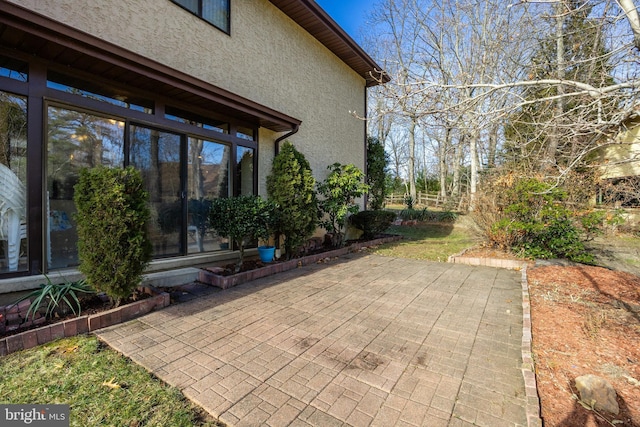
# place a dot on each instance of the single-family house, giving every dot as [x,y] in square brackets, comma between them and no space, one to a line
[620,169]
[196,94]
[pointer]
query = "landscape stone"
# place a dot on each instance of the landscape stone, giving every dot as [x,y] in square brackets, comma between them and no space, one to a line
[598,392]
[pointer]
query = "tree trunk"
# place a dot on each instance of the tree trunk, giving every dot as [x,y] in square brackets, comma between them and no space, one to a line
[457,163]
[442,154]
[412,158]
[493,146]
[634,21]
[473,154]
[554,139]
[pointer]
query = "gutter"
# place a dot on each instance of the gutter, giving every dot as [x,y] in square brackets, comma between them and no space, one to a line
[294,130]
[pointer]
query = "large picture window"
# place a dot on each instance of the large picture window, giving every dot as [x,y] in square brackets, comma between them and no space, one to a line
[54,123]
[13,180]
[208,179]
[75,140]
[215,12]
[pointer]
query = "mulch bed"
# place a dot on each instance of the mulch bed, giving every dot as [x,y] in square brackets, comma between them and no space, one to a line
[89,304]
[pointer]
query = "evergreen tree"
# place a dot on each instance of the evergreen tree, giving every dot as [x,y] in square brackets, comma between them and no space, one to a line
[553,126]
[291,186]
[377,162]
[113,229]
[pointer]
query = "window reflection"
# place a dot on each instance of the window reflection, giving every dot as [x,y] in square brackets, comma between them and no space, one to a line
[14,69]
[67,84]
[208,179]
[75,140]
[157,155]
[13,179]
[244,171]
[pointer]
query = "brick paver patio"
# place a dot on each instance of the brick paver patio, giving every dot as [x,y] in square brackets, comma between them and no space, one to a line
[361,341]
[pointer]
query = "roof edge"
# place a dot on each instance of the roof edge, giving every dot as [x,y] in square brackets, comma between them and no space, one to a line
[359,61]
[31,22]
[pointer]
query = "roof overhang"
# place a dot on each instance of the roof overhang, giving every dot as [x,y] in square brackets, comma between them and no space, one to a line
[320,25]
[30,34]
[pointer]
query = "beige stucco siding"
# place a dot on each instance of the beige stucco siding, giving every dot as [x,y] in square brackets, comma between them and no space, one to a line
[267,58]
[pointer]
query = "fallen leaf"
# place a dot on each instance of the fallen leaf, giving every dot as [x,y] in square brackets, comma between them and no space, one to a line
[111,384]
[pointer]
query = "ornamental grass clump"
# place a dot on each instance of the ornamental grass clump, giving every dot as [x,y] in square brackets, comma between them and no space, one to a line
[113,241]
[56,299]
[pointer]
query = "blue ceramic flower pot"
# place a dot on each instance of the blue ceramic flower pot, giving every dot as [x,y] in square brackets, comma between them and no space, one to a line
[266,253]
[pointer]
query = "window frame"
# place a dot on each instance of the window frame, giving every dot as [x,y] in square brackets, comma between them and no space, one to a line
[40,96]
[200,14]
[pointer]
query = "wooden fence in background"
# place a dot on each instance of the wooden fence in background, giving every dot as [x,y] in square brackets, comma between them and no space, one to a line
[426,200]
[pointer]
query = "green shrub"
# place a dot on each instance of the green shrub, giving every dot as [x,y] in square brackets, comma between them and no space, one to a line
[113,240]
[426,215]
[592,223]
[290,185]
[408,202]
[372,223]
[536,222]
[377,162]
[413,214]
[243,219]
[339,190]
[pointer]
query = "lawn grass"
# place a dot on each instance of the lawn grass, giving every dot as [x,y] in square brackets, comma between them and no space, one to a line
[428,241]
[102,387]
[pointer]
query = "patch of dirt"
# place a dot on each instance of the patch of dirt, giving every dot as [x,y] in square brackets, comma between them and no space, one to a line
[585,320]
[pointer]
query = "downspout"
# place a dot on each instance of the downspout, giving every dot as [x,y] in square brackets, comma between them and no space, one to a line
[294,130]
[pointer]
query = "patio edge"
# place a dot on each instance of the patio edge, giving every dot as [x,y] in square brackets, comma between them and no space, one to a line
[528,365]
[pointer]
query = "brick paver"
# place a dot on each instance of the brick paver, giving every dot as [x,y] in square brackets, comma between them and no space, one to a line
[361,341]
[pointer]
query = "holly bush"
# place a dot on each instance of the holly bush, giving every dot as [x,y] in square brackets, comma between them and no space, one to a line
[536,221]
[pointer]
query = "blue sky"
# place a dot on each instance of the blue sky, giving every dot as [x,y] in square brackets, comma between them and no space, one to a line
[350,14]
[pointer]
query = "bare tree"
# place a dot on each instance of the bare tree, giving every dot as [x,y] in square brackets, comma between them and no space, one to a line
[465,71]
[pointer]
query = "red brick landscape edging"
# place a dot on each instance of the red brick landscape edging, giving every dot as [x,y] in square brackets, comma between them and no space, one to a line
[511,264]
[84,324]
[528,365]
[225,282]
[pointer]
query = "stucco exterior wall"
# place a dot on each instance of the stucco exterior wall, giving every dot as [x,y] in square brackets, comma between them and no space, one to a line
[623,158]
[267,58]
